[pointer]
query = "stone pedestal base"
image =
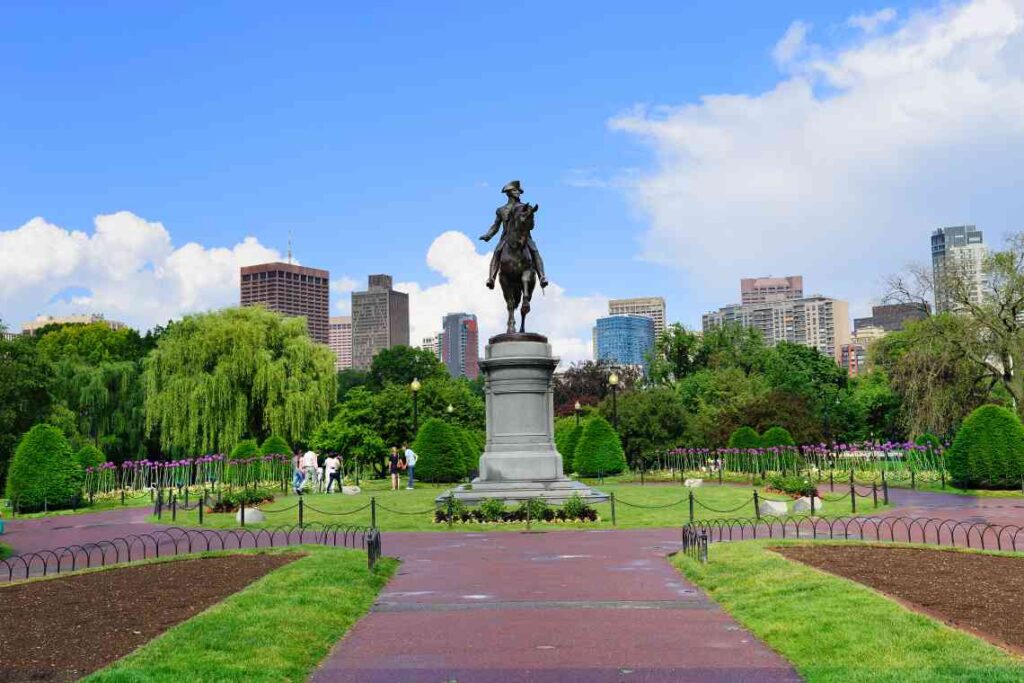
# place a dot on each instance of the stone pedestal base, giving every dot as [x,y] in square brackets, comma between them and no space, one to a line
[520,460]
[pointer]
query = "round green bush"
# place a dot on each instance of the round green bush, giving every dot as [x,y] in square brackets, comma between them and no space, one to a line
[441,453]
[599,451]
[275,445]
[565,441]
[246,448]
[470,452]
[744,437]
[89,456]
[988,451]
[776,436]
[43,471]
[930,441]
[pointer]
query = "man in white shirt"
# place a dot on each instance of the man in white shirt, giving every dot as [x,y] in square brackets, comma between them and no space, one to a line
[410,463]
[333,466]
[309,465]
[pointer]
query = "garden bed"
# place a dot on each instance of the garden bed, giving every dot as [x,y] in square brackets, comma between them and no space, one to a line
[981,593]
[64,628]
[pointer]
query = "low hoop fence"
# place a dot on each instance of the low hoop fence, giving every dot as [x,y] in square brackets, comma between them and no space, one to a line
[695,543]
[895,529]
[173,541]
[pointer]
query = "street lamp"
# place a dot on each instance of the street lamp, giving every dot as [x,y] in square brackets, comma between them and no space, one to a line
[579,409]
[415,386]
[613,382]
[450,409]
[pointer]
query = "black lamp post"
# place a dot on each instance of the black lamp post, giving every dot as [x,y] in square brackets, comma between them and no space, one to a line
[579,409]
[613,382]
[450,409]
[415,386]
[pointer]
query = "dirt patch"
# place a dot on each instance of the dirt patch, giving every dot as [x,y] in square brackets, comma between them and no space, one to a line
[62,629]
[983,594]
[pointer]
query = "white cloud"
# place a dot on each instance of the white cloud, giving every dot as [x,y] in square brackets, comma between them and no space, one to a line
[841,170]
[565,320]
[869,23]
[792,44]
[127,269]
[341,291]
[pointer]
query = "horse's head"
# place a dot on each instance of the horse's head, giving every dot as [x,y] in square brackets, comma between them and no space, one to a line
[522,222]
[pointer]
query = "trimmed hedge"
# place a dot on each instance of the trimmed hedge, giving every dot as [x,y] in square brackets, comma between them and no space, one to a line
[988,451]
[777,436]
[470,451]
[89,456]
[566,440]
[744,437]
[246,448]
[44,472]
[275,445]
[441,453]
[599,451]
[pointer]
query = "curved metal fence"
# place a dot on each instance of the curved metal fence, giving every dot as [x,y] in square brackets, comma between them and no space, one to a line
[168,542]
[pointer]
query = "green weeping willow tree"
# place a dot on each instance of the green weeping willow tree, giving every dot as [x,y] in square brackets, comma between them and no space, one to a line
[219,377]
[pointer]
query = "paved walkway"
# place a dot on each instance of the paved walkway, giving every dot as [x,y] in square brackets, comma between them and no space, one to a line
[561,606]
[44,533]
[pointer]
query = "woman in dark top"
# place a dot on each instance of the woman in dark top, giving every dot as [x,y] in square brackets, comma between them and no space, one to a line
[393,468]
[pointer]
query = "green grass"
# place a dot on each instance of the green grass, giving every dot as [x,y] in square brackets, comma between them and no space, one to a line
[392,504]
[277,629]
[5,551]
[99,505]
[833,629]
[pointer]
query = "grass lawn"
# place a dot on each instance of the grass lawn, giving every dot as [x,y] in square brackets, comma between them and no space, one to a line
[5,551]
[277,629]
[833,629]
[936,487]
[136,499]
[413,510]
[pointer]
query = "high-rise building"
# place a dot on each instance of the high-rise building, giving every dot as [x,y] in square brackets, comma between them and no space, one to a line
[87,319]
[341,341]
[433,344]
[460,345]
[958,255]
[815,321]
[624,339]
[652,307]
[892,317]
[854,357]
[759,290]
[380,320]
[290,290]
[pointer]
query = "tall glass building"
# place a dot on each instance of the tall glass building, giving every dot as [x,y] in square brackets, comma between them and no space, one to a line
[624,339]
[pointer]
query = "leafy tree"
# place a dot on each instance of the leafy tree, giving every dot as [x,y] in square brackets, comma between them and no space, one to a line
[89,456]
[401,365]
[802,370]
[275,445]
[881,406]
[793,411]
[349,379]
[988,451]
[777,436]
[43,471]
[744,437]
[599,451]
[587,383]
[24,393]
[650,422]
[246,448]
[732,346]
[677,354]
[441,453]
[216,378]
[355,442]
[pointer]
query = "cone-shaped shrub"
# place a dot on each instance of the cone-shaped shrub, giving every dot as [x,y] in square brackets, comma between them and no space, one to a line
[599,451]
[44,470]
[744,437]
[470,450]
[89,456]
[441,453]
[275,445]
[776,436]
[988,451]
[566,441]
[246,448]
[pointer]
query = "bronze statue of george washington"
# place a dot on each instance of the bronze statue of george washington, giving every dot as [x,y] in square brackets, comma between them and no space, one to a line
[502,219]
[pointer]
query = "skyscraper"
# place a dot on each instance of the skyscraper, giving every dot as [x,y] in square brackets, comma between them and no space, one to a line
[652,307]
[290,290]
[891,318]
[433,344]
[759,290]
[958,256]
[380,320]
[460,345]
[341,341]
[624,339]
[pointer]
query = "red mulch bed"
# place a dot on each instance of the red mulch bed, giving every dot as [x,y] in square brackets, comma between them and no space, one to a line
[983,594]
[62,629]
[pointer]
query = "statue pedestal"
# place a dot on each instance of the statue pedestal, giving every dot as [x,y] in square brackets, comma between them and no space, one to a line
[520,460]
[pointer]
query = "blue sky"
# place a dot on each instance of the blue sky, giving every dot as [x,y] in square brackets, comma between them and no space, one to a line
[369,129]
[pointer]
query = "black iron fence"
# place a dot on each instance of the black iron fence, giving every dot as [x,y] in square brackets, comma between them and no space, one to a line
[695,543]
[172,541]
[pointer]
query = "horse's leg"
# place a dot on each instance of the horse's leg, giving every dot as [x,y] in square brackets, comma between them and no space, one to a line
[527,287]
[510,303]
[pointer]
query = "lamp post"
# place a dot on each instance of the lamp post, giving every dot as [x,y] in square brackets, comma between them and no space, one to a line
[613,382]
[450,409]
[579,409]
[415,386]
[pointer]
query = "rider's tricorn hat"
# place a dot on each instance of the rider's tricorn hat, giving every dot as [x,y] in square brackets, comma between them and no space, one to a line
[512,185]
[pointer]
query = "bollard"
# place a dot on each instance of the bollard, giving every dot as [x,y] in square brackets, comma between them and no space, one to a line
[90,497]
[874,492]
[174,508]
[942,473]
[241,513]
[721,468]
[613,507]
[853,496]
[913,479]
[373,512]
[885,492]
[122,496]
[451,510]
[831,481]
[301,511]
[202,504]
[528,500]
[813,496]
[691,506]
[757,506]
[186,496]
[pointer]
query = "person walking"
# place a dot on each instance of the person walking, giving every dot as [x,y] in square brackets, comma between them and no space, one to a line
[312,470]
[333,467]
[410,465]
[298,478]
[393,464]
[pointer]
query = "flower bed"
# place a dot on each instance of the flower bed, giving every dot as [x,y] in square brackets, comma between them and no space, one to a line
[494,511]
[230,502]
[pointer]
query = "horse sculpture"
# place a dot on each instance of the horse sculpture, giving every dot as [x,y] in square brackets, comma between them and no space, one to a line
[516,271]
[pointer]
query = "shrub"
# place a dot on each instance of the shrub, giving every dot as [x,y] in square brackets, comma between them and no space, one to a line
[576,508]
[538,509]
[275,445]
[230,502]
[89,456]
[775,436]
[599,451]
[492,510]
[794,485]
[988,451]
[441,452]
[566,441]
[470,454]
[744,437]
[44,471]
[930,441]
[246,448]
